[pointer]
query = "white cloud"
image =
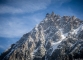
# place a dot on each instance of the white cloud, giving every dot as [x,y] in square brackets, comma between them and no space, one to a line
[59,3]
[13,28]
[62,1]
[16,27]
[2,47]
[24,6]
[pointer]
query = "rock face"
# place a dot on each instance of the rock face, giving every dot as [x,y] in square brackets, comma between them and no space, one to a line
[54,38]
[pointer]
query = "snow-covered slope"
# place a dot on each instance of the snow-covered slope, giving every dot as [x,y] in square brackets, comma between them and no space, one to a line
[53,38]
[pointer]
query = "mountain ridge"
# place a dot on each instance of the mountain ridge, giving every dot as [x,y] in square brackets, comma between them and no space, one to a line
[53,38]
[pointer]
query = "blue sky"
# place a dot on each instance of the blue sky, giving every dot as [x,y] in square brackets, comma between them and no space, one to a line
[18,17]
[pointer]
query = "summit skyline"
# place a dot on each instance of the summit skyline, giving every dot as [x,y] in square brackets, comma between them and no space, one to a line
[19,17]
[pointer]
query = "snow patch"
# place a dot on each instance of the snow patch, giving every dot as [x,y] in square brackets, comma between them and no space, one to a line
[33,53]
[55,45]
[35,50]
[63,36]
[36,28]
[45,19]
[75,31]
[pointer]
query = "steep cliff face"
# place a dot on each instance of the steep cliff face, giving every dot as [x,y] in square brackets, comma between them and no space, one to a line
[54,38]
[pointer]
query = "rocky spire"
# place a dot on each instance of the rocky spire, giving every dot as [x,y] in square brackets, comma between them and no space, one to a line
[47,15]
[52,14]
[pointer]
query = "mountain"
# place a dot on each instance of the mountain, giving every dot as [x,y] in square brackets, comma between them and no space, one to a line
[54,38]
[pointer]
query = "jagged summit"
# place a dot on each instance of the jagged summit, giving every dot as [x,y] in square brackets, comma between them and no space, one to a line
[54,38]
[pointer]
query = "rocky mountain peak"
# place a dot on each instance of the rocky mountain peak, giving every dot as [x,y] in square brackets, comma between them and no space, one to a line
[53,38]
